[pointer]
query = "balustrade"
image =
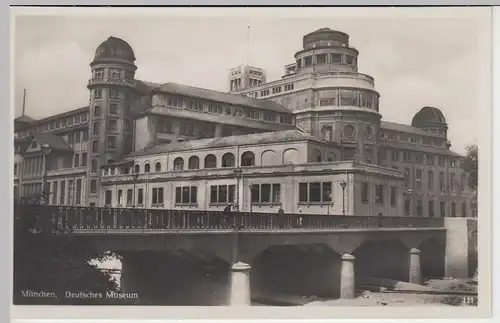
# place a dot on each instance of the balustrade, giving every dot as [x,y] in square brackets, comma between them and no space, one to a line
[80,219]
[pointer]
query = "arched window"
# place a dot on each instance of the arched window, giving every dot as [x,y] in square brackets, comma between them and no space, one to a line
[327,133]
[210,161]
[332,157]
[158,167]
[147,168]
[268,157]
[194,162]
[290,156]
[228,160]
[137,169]
[248,159]
[179,163]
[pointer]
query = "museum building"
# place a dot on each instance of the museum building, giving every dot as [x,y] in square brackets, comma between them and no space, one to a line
[312,142]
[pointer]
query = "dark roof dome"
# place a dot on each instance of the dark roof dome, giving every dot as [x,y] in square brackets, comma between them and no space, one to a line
[428,117]
[325,37]
[114,48]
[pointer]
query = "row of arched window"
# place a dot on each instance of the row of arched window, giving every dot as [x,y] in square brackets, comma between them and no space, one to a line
[210,161]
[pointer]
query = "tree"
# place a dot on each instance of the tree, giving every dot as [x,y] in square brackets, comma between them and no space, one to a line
[470,165]
[49,260]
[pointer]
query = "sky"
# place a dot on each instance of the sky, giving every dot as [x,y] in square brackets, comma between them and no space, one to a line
[415,61]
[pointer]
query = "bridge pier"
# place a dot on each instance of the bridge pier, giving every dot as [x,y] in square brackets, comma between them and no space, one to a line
[347,280]
[240,285]
[415,276]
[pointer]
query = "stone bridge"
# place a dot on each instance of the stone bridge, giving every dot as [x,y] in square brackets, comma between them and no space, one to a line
[213,258]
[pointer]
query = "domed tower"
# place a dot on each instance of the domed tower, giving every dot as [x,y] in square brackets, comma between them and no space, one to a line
[432,120]
[342,105]
[112,89]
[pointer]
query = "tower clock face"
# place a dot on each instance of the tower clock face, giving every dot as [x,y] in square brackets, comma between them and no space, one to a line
[368,132]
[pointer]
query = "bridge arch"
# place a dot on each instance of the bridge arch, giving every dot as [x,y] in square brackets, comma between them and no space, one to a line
[382,259]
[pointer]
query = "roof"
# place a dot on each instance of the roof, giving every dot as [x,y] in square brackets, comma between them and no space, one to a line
[216,96]
[218,118]
[54,142]
[418,148]
[24,118]
[114,47]
[219,142]
[401,127]
[56,117]
[428,116]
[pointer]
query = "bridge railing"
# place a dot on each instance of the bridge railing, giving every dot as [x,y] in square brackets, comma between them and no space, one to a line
[121,219]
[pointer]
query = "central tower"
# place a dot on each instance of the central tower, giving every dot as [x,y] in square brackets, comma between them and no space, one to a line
[112,89]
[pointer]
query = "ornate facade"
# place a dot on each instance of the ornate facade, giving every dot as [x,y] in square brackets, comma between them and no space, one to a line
[310,142]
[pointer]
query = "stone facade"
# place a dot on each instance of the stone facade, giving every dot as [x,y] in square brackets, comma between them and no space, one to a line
[286,144]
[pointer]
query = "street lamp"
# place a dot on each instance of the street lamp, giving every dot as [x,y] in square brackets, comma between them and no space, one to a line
[237,174]
[46,151]
[250,186]
[343,185]
[134,179]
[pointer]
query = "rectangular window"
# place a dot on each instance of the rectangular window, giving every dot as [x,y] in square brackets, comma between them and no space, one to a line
[97,111]
[462,182]
[140,196]
[186,195]
[119,201]
[97,126]
[307,61]
[418,179]
[407,207]
[431,209]
[85,135]
[430,160]
[419,207]
[395,155]
[393,196]
[452,181]
[111,142]
[62,193]
[430,180]
[107,197]
[321,59]
[112,126]
[441,161]
[316,192]
[453,210]
[157,198]
[379,194]
[84,159]
[441,181]
[98,94]
[266,193]
[129,197]
[114,94]
[418,158]
[78,199]
[93,186]
[442,209]
[76,162]
[222,194]
[254,115]
[364,192]
[464,210]
[407,177]
[113,108]
[54,193]
[407,156]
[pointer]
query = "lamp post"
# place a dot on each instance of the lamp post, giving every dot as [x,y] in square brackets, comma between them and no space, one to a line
[237,174]
[250,186]
[343,185]
[134,179]
[46,151]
